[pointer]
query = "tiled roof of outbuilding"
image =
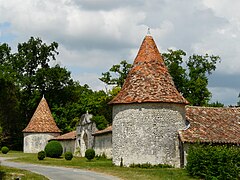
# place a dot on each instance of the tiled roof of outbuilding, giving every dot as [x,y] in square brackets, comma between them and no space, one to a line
[212,125]
[149,79]
[104,131]
[42,120]
[68,136]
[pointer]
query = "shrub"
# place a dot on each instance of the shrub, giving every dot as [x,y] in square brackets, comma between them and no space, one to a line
[149,166]
[214,162]
[68,156]
[53,149]
[90,154]
[5,150]
[101,156]
[41,155]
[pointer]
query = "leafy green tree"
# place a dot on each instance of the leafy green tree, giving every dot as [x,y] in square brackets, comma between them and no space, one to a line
[191,79]
[215,104]
[117,74]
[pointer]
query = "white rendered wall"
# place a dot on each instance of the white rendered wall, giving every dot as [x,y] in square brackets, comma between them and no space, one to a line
[35,142]
[103,144]
[147,133]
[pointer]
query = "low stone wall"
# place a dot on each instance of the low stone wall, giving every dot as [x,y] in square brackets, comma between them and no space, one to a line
[103,144]
[68,145]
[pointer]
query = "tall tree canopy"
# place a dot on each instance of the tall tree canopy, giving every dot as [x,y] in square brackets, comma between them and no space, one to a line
[191,78]
[116,74]
[27,75]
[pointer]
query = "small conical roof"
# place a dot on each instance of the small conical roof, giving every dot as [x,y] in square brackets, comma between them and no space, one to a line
[149,79]
[42,120]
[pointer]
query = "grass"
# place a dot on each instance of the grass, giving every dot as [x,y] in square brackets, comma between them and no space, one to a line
[105,166]
[13,173]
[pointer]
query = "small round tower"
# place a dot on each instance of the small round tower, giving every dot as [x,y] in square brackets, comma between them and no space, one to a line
[40,129]
[147,112]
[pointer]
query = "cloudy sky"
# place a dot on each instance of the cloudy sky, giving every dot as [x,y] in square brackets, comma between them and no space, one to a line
[95,34]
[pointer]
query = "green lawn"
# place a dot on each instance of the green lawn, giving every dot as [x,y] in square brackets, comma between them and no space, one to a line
[105,166]
[7,173]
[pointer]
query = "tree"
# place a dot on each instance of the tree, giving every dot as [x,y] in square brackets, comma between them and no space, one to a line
[117,74]
[191,81]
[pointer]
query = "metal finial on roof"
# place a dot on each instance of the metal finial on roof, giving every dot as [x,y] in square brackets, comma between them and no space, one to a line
[87,112]
[148,32]
[43,96]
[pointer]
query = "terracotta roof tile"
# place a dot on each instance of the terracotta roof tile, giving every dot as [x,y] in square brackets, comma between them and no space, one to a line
[212,125]
[149,79]
[68,136]
[42,120]
[104,131]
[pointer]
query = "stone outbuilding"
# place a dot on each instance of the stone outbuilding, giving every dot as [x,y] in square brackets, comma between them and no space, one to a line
[40,129]
[68,141]
[147,112]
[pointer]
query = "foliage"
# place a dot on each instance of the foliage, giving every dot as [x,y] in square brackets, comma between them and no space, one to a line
[5,149]
[68,156]
[53,149]
[41,155]
[100,121]
[149,166]
[116,74]
[30,73]
[191,79]
[209,162]
[90,154]
[215,104]
[101,156]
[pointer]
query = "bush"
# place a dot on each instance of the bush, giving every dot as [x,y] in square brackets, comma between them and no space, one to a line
[101,156]
[53,149]
[90,154]
[68,156]
[5,150]
[41,155]
[214,162]
[149,166]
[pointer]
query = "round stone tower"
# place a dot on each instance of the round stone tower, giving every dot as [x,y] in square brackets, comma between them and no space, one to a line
[40,129]
[147,112]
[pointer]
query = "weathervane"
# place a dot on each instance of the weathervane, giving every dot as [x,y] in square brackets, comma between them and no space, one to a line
[148,32]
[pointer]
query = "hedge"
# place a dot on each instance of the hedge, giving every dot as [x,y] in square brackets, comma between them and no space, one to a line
[214,161]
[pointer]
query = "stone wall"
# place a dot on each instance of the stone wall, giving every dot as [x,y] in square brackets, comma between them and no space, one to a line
[68,145]
[147,133]
[35,142]
[103,144]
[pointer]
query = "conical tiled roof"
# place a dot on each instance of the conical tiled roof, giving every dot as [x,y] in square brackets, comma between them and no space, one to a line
[149,79]
[42,120]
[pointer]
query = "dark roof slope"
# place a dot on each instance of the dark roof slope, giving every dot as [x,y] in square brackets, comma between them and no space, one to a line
[149,79]
[68,136]
[104,131]
[212,125]
[42,120]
